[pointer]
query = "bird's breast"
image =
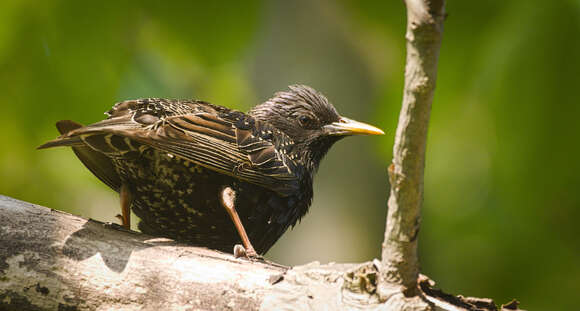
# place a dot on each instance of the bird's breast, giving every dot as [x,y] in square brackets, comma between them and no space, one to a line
[179,199]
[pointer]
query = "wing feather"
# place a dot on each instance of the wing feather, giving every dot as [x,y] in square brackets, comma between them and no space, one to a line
[215,137]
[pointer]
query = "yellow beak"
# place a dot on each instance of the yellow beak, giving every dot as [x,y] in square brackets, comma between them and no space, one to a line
[346,126]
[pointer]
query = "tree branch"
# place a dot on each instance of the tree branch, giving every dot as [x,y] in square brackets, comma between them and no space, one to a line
[399,256]
[50,260]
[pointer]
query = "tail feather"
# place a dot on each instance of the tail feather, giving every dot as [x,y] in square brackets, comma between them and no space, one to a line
[64,127]
[60,142]
[95,161]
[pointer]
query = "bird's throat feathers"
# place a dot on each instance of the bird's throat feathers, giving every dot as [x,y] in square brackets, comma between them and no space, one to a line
[315,150]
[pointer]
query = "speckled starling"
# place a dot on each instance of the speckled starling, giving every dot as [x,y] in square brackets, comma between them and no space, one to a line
[188,168]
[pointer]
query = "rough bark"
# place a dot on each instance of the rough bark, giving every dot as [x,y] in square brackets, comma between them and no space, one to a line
[399,255]
[50,260]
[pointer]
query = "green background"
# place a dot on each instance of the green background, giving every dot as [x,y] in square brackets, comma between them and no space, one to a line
[501,210]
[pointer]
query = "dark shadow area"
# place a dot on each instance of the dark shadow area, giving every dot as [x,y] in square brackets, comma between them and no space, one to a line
[91,239]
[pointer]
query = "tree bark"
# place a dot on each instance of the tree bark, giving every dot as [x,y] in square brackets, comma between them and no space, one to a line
[51,260]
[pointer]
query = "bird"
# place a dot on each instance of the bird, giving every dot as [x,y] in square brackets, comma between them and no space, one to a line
[208,175]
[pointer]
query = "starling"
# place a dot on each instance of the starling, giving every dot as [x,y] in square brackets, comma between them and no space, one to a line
[188,169]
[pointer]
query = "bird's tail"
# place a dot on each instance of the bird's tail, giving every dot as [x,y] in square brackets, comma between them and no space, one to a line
[64,127]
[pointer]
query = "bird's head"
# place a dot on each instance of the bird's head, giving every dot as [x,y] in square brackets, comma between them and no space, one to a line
[313,123]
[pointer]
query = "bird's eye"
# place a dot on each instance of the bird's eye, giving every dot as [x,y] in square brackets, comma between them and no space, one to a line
[304,120]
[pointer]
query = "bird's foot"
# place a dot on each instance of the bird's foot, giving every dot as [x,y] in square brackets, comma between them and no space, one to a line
[115,226]
[228,200]
[123,224]
[240,251]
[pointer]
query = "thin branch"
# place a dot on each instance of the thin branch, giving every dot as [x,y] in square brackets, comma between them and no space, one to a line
[400,264]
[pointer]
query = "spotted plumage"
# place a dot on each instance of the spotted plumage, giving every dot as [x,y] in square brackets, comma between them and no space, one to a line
[176,156]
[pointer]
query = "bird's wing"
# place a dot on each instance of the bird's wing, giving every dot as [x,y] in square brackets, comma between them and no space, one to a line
[223,140]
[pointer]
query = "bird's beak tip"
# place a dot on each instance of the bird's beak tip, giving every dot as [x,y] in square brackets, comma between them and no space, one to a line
[346,126]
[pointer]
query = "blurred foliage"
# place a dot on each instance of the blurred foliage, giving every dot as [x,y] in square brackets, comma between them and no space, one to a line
[501,209]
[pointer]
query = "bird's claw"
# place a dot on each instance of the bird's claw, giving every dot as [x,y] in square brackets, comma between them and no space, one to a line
[240,251]
[112,225]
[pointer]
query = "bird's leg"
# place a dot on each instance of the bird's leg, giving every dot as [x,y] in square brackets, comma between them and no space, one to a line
[126,199]
[228,200]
